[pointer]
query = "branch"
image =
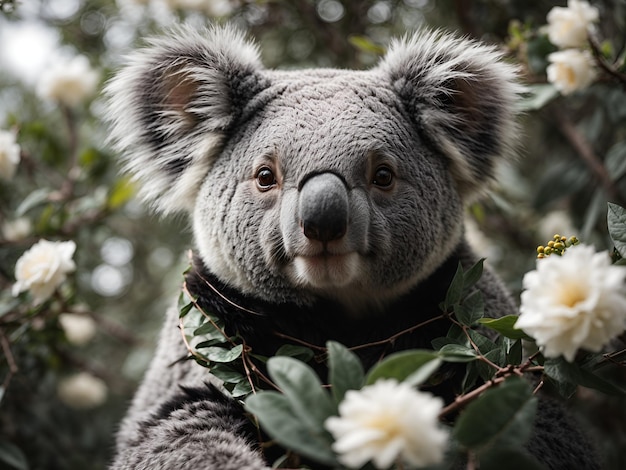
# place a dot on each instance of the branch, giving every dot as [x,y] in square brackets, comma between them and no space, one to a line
[585,152]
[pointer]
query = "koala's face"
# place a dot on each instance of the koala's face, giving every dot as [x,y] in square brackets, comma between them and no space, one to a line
[327,189]
[341,184]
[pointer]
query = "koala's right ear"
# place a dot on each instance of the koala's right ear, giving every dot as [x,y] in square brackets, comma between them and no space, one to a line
[172,104]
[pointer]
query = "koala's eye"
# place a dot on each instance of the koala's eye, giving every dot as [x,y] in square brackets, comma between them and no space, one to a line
[383,177]
[265,178]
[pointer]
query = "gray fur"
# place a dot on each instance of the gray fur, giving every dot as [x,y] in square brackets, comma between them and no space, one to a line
[347,186]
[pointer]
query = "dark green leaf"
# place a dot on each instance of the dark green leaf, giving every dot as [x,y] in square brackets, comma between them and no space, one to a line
[241,389]
[453,295]
[501,416]
[571,373]
[505,326]
[12,456]
[404,364]
[484,344]
[226,374]
[487,371]
[280,421]
[301,353]
[473,275]
[457,353]
[345,370]
[616,219]
[615,161]
[310,402]
[513,350]
[471,309]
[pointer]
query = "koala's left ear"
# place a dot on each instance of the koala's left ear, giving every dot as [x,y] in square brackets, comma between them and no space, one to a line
[173,104]
[462,98]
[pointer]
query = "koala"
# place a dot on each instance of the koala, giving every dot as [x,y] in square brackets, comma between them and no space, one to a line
[326,204]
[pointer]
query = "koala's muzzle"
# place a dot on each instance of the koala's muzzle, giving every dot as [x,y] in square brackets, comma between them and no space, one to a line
[323,207]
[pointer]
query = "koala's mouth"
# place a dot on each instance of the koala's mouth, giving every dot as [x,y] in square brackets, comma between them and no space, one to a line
[326,269]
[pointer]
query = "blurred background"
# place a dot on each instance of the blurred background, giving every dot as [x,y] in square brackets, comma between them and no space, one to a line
[69,366]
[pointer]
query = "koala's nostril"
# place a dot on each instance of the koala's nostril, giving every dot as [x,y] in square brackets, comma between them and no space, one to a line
[324,208]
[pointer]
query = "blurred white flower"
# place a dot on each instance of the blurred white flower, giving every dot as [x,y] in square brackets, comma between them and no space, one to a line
[557,221]
[68,82]
[78,329]
[385,422]
[43,268]
[571,70]
[211,7]
[574,301]
[568,27]
[82,391]
[9,154]
[18,229]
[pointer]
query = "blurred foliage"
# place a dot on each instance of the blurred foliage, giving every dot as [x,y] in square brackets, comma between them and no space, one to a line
[572,161]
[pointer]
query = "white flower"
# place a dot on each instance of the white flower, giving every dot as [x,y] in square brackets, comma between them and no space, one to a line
[82,391]
[9,154]
[17,229]
[568,27]
[573,301]
[78,329]
[43,268]
[385,422]
[571,70]
[557,221]
[68,82]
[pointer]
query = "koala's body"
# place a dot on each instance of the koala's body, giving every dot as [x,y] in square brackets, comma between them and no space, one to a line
[328,202]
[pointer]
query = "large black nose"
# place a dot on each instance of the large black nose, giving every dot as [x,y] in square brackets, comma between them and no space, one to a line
[323,207]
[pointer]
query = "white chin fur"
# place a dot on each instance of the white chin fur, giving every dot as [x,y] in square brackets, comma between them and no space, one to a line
[325,271]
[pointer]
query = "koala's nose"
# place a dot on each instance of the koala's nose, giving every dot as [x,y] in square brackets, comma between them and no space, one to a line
[323,207]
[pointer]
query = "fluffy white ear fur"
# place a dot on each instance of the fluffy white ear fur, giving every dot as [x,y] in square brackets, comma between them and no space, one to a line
[171,105]
[463,98]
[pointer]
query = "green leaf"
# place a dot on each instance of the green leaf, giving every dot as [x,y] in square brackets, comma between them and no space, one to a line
[12,456]
[34,199]
[616,219]
[122,191]
[455,291]
[301,353]
[485,370]
[241,389]
[227,374]
[615,161]
[310,402]
[471,309]
[280,421]
[564,372]
[345,370]
[501,416]
[473,274]
[505,326]
[538,97]
[217,354]
[457,353]
[404,365]
[365,44]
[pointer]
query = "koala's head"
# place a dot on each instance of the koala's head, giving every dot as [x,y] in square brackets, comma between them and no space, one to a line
[348,185]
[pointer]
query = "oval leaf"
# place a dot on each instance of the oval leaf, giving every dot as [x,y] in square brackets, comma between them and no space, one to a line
[616,218]
[310,402]
[278,419]
[345,370]
[505,326]
[402,365]
[457,353]
[501,416]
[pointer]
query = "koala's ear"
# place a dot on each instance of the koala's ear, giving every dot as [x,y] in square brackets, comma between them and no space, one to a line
[462,98]
[172,104]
